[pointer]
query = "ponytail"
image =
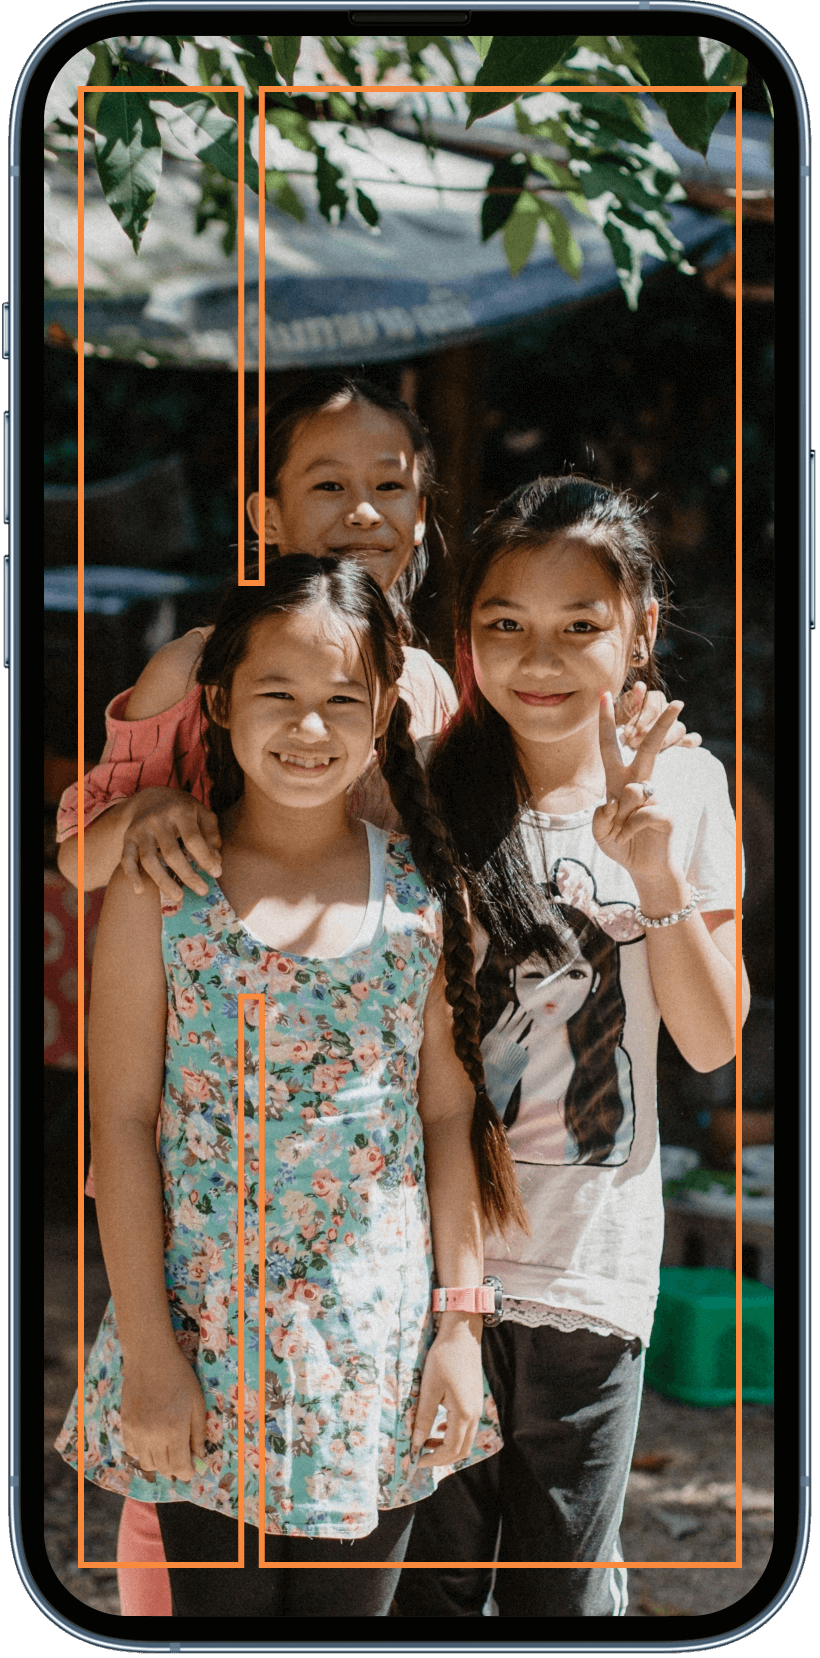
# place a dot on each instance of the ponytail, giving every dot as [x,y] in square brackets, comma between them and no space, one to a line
[500,1198]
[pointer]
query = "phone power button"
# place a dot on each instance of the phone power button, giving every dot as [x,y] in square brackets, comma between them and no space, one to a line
[6,611]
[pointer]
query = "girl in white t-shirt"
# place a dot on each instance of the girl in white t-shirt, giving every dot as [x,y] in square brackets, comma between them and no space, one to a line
[603,890]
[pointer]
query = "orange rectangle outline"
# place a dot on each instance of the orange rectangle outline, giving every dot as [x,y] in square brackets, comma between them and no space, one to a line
[324,88]
[229,1565]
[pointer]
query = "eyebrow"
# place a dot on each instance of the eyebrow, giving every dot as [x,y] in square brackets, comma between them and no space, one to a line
[340,684]
[333,460]
[496,601]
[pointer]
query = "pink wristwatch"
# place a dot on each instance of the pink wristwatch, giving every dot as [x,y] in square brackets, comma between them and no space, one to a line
[486,1300]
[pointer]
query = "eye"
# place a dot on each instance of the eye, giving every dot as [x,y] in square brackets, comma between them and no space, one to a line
[582,627]
[280,696]
[576,973]
[341,698]
[391,483]
[329,484]
[506,624]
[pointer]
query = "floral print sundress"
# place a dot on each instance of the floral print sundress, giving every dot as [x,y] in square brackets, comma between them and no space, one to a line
[347,1252]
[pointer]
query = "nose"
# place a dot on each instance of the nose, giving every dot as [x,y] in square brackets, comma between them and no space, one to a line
[363,516]
[310,726]
[542,657]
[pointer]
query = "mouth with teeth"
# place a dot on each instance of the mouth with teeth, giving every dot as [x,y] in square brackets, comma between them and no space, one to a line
[306,762]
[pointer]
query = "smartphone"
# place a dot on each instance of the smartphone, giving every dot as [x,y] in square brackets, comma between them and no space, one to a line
[552,279]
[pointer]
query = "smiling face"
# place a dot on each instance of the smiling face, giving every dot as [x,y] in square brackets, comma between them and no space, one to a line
[348,487]
[556,997]
[550,631]
[300,717]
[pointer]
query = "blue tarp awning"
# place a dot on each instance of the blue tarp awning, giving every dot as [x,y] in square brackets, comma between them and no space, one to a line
[421,281]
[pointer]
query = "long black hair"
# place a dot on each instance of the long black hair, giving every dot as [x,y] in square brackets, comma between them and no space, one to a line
[475,773]
[593,1108]
[351,596]
[334,390]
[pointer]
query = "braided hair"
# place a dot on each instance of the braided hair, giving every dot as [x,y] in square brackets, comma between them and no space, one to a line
[299,582]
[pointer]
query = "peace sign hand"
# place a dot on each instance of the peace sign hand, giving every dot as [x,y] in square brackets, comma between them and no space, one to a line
[631,828]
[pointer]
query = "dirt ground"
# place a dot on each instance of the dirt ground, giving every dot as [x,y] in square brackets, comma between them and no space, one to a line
[680,1502]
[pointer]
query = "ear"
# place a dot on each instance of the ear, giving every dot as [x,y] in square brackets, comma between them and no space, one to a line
[215,702]
[645,644]
[272,525]
[386,704]
[421,522]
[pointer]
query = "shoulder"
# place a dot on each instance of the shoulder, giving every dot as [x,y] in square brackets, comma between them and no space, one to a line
[403,873]
[428,688]
[168,678]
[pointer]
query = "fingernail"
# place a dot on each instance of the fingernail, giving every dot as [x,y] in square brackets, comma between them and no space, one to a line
[200,1465]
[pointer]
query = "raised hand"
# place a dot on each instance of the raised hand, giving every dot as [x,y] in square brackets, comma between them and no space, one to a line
[515,1023]
[636,712]
[159,820]
[633,828]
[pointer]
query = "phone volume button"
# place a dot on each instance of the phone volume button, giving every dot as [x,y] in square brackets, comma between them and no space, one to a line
[6,611]
[6,329]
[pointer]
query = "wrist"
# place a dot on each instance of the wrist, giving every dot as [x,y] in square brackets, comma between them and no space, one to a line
[459,1326]
[662,893]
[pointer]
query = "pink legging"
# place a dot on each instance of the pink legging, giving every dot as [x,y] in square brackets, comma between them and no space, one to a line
[142,1594]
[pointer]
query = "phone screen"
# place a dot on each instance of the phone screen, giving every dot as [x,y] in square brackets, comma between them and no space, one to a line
[495,347]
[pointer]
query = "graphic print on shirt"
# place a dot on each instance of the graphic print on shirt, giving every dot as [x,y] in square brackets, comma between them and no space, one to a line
[552,1039]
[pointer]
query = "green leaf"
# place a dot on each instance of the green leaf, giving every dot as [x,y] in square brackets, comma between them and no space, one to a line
[515,60]
[62,97]
[385,60]
[682,60]
[555,171]
[567,251]
[256,65]
[519,231]
[507,174]
[285,198]
[482,44]
[670,60]
[217,205]
[128,153]
[339,108]
[292,126]
[285,50]
[327,183]
[207,132]
[367,208]
[342,58]
[174,42]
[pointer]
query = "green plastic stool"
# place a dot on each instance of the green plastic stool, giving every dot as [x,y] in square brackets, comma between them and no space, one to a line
[691,1355]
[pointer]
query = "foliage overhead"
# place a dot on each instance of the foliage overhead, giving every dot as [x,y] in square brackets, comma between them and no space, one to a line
[594,152]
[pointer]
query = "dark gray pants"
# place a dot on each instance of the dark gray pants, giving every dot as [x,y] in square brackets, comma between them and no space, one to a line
[193,1533]
[568,1402]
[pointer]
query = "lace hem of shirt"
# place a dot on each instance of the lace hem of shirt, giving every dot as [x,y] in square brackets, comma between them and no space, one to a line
[536,1314]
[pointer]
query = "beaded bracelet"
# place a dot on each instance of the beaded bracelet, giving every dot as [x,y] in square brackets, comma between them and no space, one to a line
[668,920]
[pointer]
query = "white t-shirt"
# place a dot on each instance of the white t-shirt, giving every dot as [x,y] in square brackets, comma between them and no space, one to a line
[571,1060]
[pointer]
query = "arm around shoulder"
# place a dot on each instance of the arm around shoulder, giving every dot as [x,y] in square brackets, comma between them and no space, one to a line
[168,677]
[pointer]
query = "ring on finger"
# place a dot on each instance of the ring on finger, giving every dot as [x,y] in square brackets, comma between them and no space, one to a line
[648,789]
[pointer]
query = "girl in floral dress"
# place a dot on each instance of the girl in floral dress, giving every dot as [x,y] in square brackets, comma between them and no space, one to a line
[344,940]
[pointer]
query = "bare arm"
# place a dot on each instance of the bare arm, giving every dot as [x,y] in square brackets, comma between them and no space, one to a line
[148,826]
[163,1411]
[694,976]
[452,1374]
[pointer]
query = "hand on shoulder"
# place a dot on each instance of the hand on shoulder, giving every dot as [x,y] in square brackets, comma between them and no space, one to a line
[168,677]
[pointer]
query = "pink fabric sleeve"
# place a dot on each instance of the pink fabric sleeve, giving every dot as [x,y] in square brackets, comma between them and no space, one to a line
[166,749]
